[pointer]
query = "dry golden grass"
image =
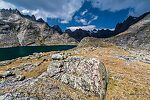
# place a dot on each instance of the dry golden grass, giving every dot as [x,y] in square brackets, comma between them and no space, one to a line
[74,93]
[127,80]
[37,70]
[32,73]
[133,77]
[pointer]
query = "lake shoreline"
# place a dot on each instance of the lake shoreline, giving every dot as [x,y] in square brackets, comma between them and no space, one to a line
[22,51]
[42,45]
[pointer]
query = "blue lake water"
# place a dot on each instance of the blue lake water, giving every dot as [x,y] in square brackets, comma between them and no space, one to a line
[15,52]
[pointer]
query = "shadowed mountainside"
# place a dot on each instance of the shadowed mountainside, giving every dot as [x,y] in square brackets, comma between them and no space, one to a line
[137,36]
[24,30]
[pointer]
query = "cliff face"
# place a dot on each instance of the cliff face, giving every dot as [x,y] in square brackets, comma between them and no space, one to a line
[23,30]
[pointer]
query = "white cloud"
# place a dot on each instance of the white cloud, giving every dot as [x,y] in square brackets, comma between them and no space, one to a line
[81,20]
[84,12]
[104,28]
[6,5]
[138,6]
[25,11]
[63,9]
[85,21]
[64,21]
[88,27]
[94,18]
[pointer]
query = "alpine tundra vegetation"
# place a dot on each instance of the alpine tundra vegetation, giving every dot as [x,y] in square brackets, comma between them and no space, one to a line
[74,50]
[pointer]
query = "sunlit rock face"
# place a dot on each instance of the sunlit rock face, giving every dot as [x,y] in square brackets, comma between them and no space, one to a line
[86,74]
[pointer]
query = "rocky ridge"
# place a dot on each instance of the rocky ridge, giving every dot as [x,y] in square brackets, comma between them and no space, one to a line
[24,30]
[17,29]
[137,36]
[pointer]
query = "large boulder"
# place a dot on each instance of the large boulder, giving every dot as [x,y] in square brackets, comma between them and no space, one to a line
[86,74]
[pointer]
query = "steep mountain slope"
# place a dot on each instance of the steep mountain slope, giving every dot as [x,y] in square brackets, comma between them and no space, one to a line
[137,36]
[22,30]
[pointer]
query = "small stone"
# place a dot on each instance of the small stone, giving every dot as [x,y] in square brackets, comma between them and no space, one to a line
[57,57]
[6,74]
[20,78]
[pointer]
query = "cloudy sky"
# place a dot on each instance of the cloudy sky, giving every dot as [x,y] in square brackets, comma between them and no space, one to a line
[86,14]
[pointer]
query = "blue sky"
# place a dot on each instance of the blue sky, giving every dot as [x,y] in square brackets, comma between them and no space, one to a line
[86,14]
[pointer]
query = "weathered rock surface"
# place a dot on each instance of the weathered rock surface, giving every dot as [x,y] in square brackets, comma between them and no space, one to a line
[66,78]
[20,78]
[16,96]
[86,74]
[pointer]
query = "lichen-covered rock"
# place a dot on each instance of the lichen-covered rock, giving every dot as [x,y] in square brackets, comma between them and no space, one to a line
[70,78]
[86,74]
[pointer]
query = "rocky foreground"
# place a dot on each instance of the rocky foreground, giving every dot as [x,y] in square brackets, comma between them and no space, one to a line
[60,76]
[77,74]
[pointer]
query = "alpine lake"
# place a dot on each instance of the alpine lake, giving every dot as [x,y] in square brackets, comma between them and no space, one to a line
[15,52]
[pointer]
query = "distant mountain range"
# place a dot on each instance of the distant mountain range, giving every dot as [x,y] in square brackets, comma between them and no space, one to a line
[136,36]
[17,29]
[133,33]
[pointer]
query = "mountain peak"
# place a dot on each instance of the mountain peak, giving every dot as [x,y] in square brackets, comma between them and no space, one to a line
[15,11]
[121,27]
